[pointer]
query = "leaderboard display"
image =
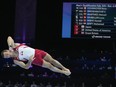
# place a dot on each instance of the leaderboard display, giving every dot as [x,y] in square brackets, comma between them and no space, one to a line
[89,20]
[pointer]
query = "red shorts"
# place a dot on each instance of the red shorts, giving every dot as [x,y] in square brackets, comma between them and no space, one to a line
[39,55]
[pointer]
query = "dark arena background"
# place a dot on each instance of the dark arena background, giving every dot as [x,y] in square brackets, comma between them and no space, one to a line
[40,24]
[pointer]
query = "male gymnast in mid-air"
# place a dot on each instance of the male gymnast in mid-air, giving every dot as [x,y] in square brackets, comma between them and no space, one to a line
[20,53]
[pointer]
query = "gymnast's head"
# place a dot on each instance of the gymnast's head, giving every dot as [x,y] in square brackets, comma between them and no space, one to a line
[6,53]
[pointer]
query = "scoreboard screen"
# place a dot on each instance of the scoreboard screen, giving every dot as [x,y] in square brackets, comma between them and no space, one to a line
[89,20]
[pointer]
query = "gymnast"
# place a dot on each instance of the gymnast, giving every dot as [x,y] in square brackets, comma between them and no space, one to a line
[21,53]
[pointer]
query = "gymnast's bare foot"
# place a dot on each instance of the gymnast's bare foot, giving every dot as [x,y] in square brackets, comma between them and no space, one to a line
[67,73]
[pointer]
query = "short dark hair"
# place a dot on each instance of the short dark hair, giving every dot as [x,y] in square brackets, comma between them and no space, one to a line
[2,53]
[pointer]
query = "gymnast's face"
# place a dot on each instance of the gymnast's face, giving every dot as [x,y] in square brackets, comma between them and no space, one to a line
[7,54]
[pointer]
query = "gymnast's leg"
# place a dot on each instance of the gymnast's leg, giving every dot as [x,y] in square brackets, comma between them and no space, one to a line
[53,68]
[54,62]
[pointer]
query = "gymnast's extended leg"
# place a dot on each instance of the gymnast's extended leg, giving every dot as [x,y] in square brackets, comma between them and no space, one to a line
[54,62]
[53,68]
